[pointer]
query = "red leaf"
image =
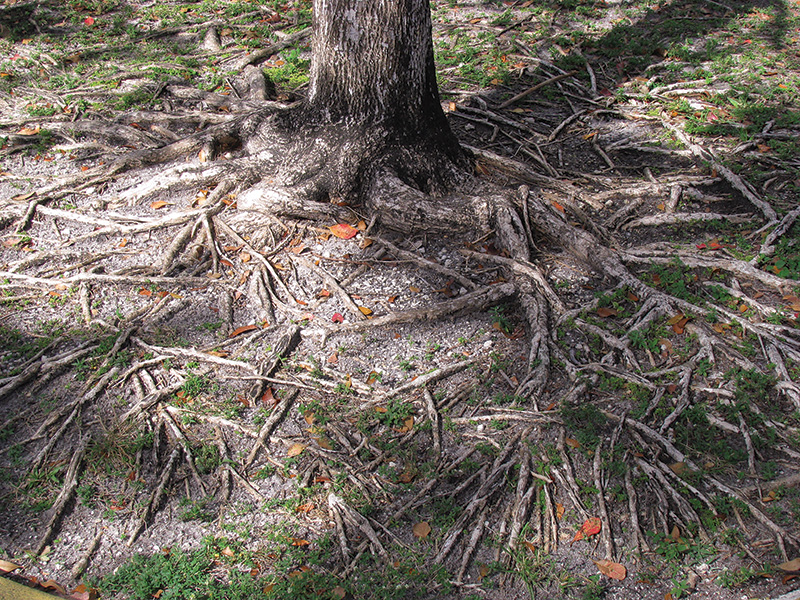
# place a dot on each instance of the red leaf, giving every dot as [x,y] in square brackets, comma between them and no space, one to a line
[590,527]
[337,318]
[89,21]
[343,231]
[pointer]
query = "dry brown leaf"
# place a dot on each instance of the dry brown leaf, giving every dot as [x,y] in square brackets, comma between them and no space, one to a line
[679,468]
[8,567]
[28,131]
[245,257]
[323,442]
[372,377]
[572,442]
[242,329]
[676,319]
[159,204]
[604,311]
[611,569]
[791,566]
[413,288]
[559,510]
[484,571]
[529,546]
[228,552]
[421,530]
[339,592]
[295,450]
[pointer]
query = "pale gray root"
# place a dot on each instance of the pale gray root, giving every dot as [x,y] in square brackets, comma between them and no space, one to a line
[155,497]
[335,503]
[65,495]
[275,417]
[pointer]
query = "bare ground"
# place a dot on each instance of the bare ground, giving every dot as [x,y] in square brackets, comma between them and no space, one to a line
[177,368]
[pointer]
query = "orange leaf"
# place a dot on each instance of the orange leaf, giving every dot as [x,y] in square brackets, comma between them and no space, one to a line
[159,204]
[28,131]
[607,312]
[145,292]
[372,377]
[611,569]
[572,443]
[299,542]
[343,231]
[557,206]
[413,288]
[421,530]
[244,257]
[365,311]
[559,510]
[242,329]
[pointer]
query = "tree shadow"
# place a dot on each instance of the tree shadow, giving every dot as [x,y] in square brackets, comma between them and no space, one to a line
[681,29]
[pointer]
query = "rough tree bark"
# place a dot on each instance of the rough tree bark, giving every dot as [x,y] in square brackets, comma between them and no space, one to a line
[372,128]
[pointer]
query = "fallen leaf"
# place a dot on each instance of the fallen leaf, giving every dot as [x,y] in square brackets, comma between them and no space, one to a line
[413,288]
[89,21]
[242,329]
[572,442]
[295,449]
[675,319]
[372,377]
[365,311]
[632,297]
[300,542]
[675,534]
[52,585]
[484,571]
[145,292]
[557,206]
[559,510]
[791,566]
[337,318]
[680,325]
[590,527]
[769,497]
[607,312]
[227,552]
[245,257]
[333,358]
[406,477]
[8,567]
[268,398]
[159,204]
[421,530]
[28,131]
[338,592]
[679,468]
[529,546]
[323,443]
[408,425]
[611,569]
[343,231]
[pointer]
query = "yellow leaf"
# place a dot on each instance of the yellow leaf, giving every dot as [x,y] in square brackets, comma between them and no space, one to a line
[244,257]
[365,310]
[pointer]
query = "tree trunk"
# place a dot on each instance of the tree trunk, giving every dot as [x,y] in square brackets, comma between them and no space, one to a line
[372,64]
[372,115]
